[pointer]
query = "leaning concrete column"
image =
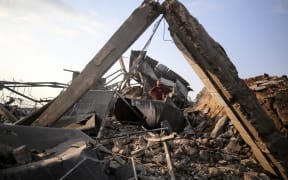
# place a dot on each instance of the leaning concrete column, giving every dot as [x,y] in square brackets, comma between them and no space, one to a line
[220,77]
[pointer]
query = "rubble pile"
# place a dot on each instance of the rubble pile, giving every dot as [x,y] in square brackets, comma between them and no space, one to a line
[144,138]
[144,127]
[272,93]
[207,149]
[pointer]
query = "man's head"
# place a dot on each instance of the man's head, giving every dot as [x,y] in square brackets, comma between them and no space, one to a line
[158,82]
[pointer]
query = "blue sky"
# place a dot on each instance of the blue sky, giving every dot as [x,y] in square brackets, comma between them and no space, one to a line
[39,38]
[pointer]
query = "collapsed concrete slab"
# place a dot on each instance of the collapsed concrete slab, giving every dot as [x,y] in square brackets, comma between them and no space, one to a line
[51,153]
[45,145]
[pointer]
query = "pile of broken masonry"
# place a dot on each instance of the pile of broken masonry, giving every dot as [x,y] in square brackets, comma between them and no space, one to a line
[209,147]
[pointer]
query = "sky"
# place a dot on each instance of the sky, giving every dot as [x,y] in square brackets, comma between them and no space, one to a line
[39,38]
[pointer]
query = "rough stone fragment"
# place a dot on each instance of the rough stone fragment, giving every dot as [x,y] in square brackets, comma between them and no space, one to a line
[218,127]
[204,155]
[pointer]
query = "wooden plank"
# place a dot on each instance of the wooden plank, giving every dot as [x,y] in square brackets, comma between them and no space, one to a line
[129,31]
[220,76]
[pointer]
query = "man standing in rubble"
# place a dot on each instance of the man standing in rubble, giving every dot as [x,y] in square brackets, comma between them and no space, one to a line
[157,92]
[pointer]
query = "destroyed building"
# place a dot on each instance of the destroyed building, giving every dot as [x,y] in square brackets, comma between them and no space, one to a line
[97,130]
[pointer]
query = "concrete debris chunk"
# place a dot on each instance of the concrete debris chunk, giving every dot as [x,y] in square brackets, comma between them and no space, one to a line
[219,126]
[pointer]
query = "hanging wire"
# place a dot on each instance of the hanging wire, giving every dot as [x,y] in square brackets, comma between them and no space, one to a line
[142,53]
[153,33]
[164,32]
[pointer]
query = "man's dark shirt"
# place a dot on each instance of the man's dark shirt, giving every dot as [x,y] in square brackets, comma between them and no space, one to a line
[157,93]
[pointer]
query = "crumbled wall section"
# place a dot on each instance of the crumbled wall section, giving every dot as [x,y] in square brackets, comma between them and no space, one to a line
[220,76]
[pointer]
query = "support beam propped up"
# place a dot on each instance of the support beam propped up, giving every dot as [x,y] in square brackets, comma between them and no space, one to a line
[127,34]
[220,77]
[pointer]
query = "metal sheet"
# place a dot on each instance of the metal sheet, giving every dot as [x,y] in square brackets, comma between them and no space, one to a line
[93,101]
[151,111]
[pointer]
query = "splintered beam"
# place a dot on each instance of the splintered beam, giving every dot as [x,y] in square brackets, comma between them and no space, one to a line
[128,32]
[220,77]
